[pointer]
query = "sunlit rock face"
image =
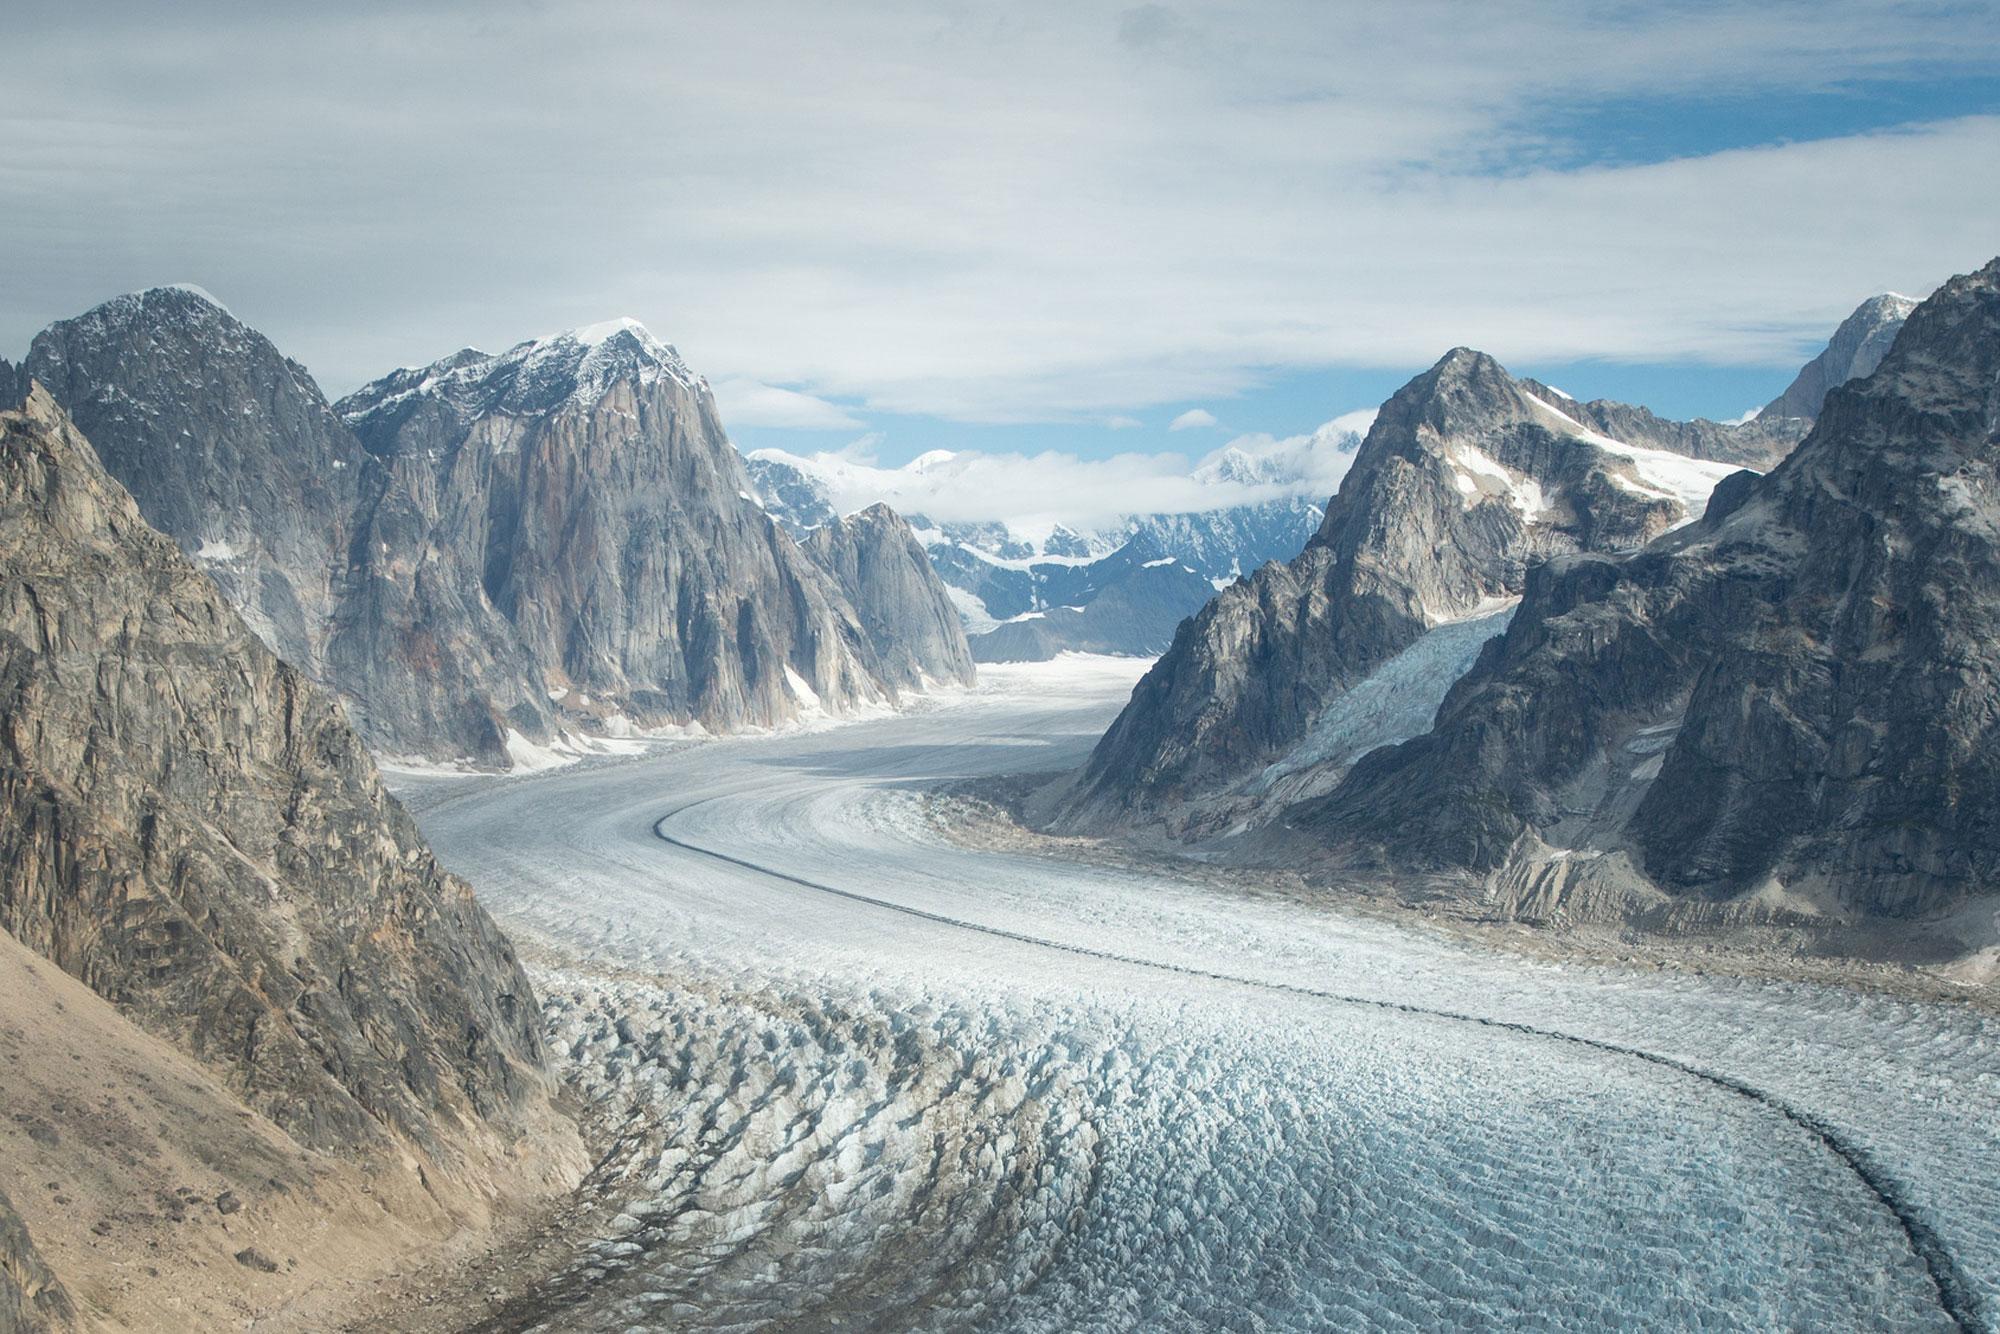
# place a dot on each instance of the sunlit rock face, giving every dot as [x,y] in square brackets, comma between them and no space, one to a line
[575,502]
[1467,477]
[1856,349]
[913,632]
[193,830]
[1792,697]
[484,557]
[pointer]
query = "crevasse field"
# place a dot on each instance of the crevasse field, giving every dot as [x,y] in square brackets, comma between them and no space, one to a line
[864,1078]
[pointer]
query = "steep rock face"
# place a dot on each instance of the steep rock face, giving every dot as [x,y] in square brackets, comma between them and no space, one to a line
[228,447]
[553,541]
[1793,697]
[1855,350]
[192,830]
[1464,478]
[574,508]
[32,1300]
[913,631]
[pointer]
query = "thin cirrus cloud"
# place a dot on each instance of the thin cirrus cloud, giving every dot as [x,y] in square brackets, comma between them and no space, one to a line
[748,403]
[1048,212]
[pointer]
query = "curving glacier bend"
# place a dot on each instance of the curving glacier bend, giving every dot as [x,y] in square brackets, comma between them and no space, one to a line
[859,1077]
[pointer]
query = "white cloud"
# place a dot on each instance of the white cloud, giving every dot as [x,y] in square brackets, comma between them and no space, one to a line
[748,403]
[1120,422]
[1034,492]
[1192,419]
[1034,212]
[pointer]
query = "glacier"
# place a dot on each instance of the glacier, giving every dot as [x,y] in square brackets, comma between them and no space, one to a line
[860,1074]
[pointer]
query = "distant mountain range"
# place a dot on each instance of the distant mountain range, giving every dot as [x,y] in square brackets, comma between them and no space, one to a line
[1028,590]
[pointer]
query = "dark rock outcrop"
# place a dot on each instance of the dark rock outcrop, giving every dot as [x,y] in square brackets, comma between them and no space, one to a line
[913,632]
[1793,698]
[191,828]
[1465,477]
[228,447]
[1855,350]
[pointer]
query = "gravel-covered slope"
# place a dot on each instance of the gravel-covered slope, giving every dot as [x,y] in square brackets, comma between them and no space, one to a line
[1793,698]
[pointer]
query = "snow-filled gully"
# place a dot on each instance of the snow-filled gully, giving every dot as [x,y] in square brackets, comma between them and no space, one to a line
[860,1077]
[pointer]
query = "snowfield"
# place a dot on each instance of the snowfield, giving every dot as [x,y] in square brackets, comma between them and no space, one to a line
[867,1078]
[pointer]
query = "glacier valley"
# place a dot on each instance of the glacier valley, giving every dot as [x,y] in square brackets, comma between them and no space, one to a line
[852,1074]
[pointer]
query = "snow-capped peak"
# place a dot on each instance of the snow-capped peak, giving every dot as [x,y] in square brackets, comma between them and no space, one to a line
[577,366]
[590,335]
[192,290]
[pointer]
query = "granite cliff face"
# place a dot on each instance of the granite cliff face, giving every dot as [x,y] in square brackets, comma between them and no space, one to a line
[488,556]
[573,510]
[1855,350]
[1790,700]
[228,447]
[193,831]
[1466,476]
[913,633]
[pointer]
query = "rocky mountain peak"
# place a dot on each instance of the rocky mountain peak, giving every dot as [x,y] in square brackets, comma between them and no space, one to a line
[1784,707]
[228,446]
[575,368]
[1855,350]
[912,632]
[1467,390]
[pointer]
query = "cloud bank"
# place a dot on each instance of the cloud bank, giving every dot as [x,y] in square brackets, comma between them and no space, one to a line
[1040,212]
[1033,493]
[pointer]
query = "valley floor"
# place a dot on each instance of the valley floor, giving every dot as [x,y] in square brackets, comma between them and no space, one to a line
[845,1072]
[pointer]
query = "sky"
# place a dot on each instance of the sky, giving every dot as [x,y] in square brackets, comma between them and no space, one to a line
[888,228]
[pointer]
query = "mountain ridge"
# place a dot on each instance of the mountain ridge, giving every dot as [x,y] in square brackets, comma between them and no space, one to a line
[1784,699]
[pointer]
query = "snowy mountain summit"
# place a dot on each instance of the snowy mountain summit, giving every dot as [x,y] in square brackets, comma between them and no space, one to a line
[575,366]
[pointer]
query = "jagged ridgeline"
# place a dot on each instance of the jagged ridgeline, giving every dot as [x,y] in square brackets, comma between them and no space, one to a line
[1467,478]
[1791,699]
[488,556]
